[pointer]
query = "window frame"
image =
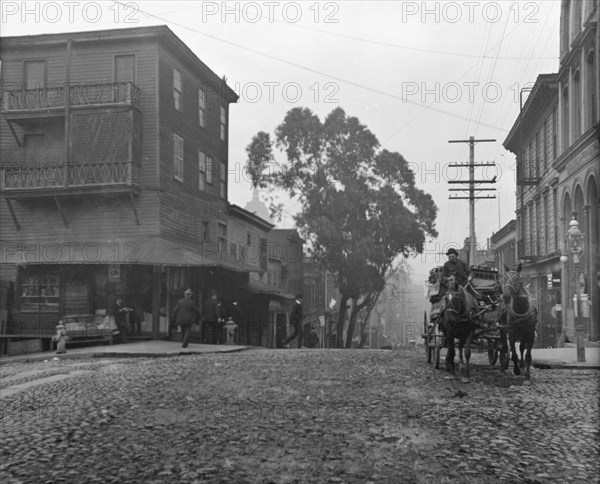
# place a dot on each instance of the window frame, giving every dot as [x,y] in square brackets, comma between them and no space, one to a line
[44,80]
[223,122]
[209,170]
[178,161]
[223,180]
[201,171]
[201,107]
[177,88]
[222,237]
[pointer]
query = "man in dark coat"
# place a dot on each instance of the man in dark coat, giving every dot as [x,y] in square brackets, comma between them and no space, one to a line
[460,270]
[455,267]
[212,318]
[120,313]
[296,322]
[185,315]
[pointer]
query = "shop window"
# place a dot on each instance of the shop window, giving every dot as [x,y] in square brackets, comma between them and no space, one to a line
[40,293]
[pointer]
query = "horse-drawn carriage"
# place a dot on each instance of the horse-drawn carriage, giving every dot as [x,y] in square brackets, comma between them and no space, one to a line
[484,285]
[481,316]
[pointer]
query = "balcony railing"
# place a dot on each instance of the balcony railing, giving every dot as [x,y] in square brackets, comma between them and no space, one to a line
[53,97]
[36,168]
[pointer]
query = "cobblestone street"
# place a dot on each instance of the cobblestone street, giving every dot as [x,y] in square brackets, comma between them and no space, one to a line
[287,416]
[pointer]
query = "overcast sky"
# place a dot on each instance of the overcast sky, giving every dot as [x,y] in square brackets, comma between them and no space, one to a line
[416,73]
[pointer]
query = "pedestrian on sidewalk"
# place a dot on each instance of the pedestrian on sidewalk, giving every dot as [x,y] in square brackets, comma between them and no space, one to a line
[212,318]
[313,337]
[296,322]
[121,315]
[186,313]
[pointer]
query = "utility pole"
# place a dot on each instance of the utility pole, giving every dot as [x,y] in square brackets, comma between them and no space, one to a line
[472,182]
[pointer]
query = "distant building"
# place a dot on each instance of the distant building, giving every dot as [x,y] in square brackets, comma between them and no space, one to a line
[504,246]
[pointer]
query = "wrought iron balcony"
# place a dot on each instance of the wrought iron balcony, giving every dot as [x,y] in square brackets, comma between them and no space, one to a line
[18,100]
[26,171]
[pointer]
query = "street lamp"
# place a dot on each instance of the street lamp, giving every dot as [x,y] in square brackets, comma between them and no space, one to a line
[575,238]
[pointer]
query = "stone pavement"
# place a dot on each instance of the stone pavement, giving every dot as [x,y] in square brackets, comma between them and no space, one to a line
[294,416]
[153,348]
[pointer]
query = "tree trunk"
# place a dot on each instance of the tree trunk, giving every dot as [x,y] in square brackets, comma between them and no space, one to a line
[351,324]
[340,322]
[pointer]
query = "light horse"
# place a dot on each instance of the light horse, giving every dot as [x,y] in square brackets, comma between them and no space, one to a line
[458,322]
[518,321]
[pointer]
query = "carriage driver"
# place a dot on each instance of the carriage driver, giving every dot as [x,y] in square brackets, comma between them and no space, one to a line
[460,270]
[455,267]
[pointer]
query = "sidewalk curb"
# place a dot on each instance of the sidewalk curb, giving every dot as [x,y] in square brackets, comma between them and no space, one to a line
[5,360]
[563,365]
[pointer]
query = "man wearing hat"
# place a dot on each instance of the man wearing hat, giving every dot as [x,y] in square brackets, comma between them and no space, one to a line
[455,267]
[296,322]
[459,269]
[185,314]
[213,318]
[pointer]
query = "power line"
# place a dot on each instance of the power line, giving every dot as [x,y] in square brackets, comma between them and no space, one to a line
[314,71]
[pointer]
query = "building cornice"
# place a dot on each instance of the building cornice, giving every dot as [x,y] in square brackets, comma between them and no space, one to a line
[244,214]
[588,137]
[543,93]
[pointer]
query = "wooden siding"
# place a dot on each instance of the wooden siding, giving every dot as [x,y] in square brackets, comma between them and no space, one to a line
[183,206]
[90,218]
[164,206]
[238,233]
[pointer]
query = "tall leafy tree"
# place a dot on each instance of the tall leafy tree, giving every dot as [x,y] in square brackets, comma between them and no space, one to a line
[360,206]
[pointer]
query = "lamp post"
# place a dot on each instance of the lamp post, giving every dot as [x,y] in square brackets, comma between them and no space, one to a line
[575,238]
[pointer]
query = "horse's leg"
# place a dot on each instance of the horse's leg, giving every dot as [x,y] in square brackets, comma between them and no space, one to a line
[467,373]
[513,352]
[522,347]
[503,350]
[461,360]
[450,355]
[530,341]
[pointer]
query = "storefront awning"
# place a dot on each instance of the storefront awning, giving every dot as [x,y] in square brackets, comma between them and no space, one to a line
[143,251]
[262,288]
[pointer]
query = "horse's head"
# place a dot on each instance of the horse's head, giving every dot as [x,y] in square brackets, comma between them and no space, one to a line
[452,284]
[513,289]
[512,283]
[455,301]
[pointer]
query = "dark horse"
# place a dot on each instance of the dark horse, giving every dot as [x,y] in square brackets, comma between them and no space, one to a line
[518,319]
[458,322]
